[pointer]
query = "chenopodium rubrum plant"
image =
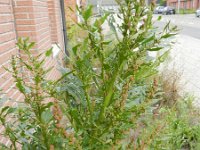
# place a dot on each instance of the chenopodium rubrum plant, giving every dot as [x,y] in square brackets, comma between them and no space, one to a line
[110,79]
[36,121]
[106,86]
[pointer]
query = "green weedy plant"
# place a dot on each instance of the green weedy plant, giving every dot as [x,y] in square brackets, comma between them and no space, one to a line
[111,85]
[32,124]
[174,128]
[106,87]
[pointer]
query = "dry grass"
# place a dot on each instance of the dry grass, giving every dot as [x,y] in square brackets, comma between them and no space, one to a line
[171,85]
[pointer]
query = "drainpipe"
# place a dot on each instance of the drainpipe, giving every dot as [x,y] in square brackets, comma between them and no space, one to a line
[179,6]
[78,3]
[198,4]
[62,6]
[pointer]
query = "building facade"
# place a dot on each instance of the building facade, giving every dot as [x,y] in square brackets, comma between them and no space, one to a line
[184,4]
[38,19]
[41,21]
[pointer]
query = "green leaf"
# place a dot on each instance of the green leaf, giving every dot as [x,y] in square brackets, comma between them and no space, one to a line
[4,109]
[31,45]
[29,67]
[47,116]
[168,35]
[111,23]
[107,42]
[7,110]
[47,106]
[11,110]
[63,76]
[99,22]
[145,71]
[26,40]
[76,117]
[87,13]
[167,26]
[151,38]
[163,57]
[49,52]
[20,44]
[155,49]
[159,18]
[75,48]
[20,86]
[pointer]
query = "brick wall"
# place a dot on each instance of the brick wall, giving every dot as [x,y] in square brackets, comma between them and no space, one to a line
[38,19]
[188,4]
[55,21]
[7,47]
[56,31]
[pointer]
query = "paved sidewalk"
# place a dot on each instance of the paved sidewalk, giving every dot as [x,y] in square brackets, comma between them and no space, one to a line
[185,54]
[185,57]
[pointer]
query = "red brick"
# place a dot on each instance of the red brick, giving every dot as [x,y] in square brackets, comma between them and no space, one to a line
[9,36]
[6,56]
[25,22]
[21,16]
[24,3]
[4,1]
[7,45]
[5,18]
[6,27]
[5,9]
[6,65]
[26,28]
[184,4]
[23,9]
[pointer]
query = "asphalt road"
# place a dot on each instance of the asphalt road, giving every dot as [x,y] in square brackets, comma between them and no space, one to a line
[191,31]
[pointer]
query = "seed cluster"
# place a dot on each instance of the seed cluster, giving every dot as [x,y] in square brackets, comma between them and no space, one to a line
[58,116]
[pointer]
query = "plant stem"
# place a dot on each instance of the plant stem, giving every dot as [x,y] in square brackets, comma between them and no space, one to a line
[88,100]
[110,92]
